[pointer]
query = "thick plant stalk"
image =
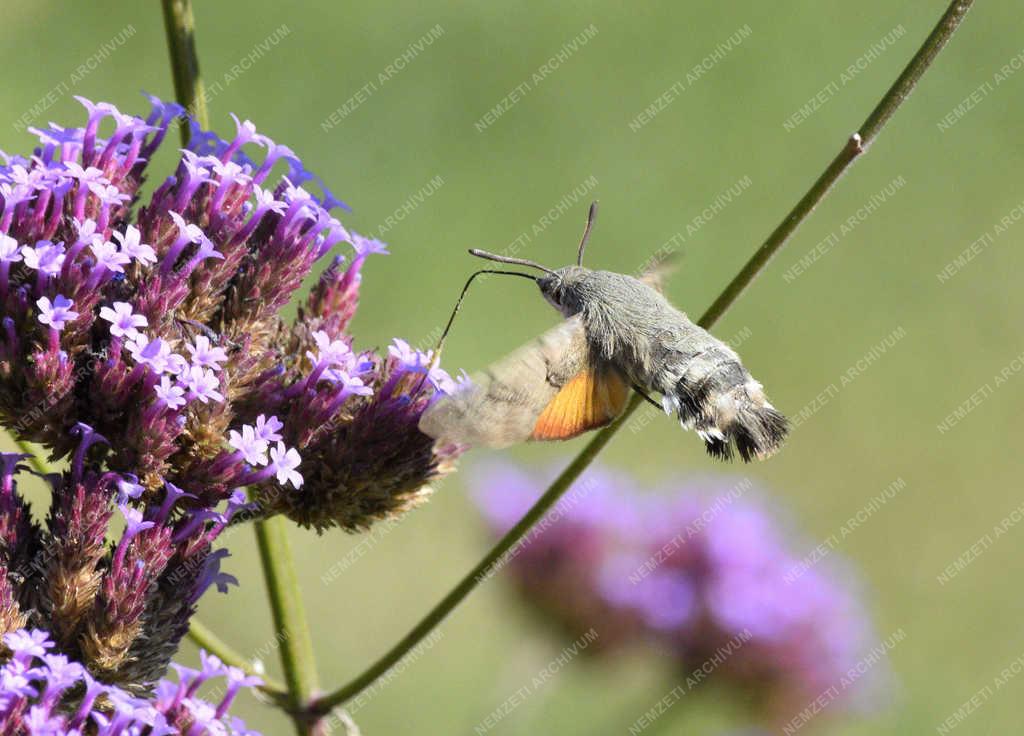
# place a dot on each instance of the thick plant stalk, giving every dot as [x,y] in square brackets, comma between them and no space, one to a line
[854,146]
[181,42]
[289,618]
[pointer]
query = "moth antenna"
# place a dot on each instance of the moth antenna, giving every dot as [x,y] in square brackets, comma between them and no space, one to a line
[458,306]
[507,259]
[591,216]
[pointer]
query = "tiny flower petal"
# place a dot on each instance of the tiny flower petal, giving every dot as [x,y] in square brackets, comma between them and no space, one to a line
[252,446]
[123,322]
[57,313]
[284,462]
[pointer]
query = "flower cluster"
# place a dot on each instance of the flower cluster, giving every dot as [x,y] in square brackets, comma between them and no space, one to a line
[119,609]
[142,343]
[160,328]
[700,571]
[46,693]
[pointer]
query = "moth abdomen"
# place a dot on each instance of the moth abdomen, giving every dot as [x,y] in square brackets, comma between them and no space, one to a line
[707,376]
[727,408]
[759,431]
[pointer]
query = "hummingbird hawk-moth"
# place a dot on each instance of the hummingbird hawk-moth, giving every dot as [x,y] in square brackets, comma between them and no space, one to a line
[619,333]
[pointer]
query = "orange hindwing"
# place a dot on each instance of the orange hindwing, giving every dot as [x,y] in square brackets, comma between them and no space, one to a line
[592,399]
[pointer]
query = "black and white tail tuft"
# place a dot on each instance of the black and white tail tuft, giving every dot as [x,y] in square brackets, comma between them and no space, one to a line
[729,411]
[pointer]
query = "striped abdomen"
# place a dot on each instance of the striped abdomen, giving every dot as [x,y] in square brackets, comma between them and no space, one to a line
[704,382]
[631,325]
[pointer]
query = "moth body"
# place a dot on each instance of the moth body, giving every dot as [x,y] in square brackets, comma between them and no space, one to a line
[632,326]
[618,332]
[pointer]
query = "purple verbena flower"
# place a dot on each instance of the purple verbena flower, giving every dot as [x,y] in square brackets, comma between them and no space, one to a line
[133,247]
[284,461]
[143,340]
[109,257]
[10,251]
[48,694]
[252,446]
[155,354]
[45,257]
[170,393]
[267,428]
[56,313]
[365,246]
[128,488]
[206,355]
[408,357]
[123,322]
[202,384]
[26,644]
[330,353]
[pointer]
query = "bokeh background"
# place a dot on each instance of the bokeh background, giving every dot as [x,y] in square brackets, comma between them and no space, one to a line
[414,145]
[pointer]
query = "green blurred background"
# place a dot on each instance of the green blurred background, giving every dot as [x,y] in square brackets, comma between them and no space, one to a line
[571,131]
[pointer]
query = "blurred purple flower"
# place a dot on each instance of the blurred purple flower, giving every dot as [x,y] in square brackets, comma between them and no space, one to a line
[689,570]
[557,567]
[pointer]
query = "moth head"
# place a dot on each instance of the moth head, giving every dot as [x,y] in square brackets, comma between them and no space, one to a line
[561,289]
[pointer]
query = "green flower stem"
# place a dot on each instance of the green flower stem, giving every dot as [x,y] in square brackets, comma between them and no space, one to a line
[181,42]
[853,147]
[271,535]
[857,144]
[289,617]
[204,638]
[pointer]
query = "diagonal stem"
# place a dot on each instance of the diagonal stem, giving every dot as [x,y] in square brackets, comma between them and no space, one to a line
[180,26]
[857,144]
[484,569]
[852,148]
[204,638]
[38,463]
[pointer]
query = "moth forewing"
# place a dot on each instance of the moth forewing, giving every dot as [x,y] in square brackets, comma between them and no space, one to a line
[501,405]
